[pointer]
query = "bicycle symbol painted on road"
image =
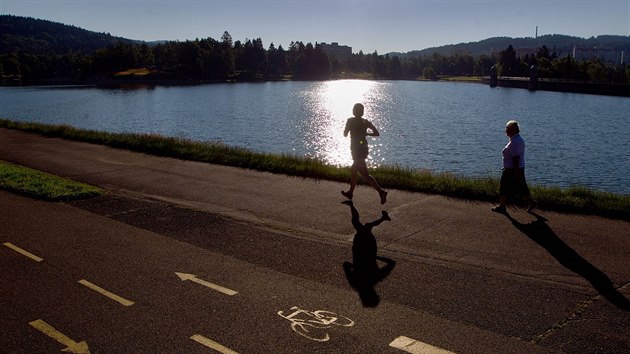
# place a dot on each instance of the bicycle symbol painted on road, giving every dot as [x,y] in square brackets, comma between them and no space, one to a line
[312,325]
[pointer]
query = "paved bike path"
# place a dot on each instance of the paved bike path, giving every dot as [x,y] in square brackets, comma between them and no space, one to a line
[433,229]
[162,312]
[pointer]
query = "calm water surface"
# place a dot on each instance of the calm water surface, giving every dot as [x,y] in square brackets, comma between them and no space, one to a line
[446,127]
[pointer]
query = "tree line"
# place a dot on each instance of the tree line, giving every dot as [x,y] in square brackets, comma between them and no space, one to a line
[224,59]
[549,65]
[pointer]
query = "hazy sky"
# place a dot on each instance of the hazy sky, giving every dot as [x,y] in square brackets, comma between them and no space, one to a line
[384,26]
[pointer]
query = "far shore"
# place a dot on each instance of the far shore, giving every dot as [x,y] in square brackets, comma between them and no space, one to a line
[163,81]
[131,82]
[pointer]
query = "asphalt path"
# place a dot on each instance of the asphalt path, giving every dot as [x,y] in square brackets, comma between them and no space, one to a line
[264,253]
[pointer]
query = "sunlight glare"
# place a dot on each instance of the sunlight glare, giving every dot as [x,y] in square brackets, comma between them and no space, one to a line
[333,101]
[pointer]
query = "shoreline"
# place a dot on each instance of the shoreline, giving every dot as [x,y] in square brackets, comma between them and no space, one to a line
[542,84]
[557,85]
[576,199]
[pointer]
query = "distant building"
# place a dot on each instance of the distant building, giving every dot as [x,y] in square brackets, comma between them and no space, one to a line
[605,54]
[336,51]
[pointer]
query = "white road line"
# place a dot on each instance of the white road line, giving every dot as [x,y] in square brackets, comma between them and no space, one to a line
[23,252]
[212,344]
[102,291]
[413,346]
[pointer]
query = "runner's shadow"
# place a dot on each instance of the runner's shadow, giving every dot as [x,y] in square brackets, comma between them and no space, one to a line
[539,232]
[364,273]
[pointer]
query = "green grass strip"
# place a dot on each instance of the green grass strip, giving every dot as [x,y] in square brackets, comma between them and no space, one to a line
[574,199]
[41,185]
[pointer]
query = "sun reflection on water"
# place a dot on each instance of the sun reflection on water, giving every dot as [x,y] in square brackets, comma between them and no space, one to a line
[332,104]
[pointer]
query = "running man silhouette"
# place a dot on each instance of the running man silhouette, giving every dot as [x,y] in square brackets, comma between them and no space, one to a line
[358,128]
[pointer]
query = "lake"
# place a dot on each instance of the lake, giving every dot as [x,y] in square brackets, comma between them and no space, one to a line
[572,139]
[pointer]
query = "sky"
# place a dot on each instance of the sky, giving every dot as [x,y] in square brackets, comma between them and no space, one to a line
[365,25]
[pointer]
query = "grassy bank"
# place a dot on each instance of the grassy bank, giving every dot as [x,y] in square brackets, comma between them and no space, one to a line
[575,199]
[40,185]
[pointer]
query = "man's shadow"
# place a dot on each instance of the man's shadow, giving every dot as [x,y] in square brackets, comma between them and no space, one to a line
[364,273]
[539,232]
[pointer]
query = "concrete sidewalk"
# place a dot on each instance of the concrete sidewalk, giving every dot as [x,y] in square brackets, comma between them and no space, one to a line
[567,251]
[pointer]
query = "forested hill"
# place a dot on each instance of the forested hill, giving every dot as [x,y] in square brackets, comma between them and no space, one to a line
[42,37]
[39,51]
[560,43]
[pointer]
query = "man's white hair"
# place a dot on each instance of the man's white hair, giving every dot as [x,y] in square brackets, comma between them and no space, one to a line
[514,124]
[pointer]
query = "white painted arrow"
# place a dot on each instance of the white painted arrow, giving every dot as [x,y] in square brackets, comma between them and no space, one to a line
[72,346]
[194,279]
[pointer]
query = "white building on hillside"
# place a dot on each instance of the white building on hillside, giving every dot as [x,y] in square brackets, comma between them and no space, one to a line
[336,51]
